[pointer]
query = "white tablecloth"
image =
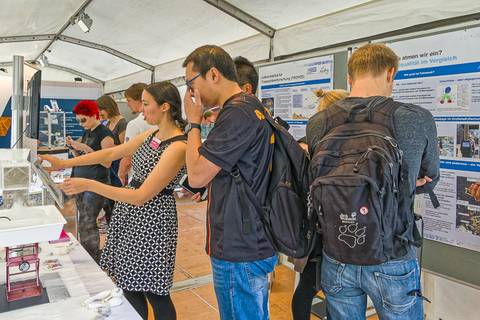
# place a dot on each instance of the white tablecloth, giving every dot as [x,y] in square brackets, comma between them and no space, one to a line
[78,278]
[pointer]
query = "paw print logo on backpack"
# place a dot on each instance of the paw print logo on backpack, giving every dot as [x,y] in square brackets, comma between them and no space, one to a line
[352,235]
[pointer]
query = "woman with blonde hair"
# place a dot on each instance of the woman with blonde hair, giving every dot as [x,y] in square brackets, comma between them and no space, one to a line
[307,287]
[327,98]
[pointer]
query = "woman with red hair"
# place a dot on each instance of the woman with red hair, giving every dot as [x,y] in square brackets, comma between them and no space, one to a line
[89,204]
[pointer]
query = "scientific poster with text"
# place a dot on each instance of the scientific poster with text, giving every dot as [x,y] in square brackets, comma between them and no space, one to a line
[288,89]
[442,74]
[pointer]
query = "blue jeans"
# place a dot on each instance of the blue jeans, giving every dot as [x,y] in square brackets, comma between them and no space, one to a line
[388,285]
[242,288]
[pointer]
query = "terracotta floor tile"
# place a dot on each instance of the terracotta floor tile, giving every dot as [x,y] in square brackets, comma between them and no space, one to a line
[190,306]
[207,293]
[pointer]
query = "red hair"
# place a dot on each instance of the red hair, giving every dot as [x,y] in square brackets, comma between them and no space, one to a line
[87,108]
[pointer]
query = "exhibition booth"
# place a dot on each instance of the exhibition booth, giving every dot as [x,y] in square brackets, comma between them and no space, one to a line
[54,55]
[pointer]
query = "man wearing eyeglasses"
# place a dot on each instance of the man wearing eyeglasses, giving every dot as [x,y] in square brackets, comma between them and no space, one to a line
[239,143]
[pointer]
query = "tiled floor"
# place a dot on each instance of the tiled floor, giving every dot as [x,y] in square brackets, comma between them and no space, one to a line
[199,303]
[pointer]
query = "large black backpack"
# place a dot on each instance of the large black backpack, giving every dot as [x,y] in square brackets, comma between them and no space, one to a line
[360,187]
[287,222]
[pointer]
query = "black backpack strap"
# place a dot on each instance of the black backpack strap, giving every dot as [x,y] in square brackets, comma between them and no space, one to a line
[383,112]
[433,197]
[246,192]
[369,108]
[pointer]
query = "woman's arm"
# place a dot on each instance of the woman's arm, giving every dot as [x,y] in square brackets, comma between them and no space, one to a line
[106,143]
[79,146]
[101,156]
[171,161]
[121,136]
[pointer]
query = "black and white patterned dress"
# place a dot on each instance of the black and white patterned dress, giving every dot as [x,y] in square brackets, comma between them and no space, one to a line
[141,242]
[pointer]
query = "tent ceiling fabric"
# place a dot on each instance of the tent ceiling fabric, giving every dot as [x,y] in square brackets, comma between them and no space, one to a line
[30,17]
[255,48]
[95,63]
[374,18]
[27,49]
[283,13]
[50,74]
[123,83]
[162,33]
[159,31]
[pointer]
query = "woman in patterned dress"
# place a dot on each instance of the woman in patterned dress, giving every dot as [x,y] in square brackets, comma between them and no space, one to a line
[141,243]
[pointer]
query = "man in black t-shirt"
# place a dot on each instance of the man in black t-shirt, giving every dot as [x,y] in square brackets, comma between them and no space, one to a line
[241,255]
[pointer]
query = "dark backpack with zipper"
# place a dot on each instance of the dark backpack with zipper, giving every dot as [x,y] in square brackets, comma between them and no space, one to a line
[360,187]
[288,224]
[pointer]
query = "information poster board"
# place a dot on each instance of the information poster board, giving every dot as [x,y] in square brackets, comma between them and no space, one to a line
[288,89]
[442,74]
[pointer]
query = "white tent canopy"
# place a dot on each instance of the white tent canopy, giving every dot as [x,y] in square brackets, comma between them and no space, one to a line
[132,41]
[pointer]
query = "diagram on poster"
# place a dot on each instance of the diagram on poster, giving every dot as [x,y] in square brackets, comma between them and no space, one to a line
[288,89]
[442,74]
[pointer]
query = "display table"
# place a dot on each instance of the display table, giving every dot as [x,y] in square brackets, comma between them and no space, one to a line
[69,276]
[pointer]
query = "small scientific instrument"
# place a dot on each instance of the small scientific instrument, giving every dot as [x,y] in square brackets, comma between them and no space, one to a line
[23,227]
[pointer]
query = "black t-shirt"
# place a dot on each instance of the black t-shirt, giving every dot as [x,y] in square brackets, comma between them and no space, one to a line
[242,137]
[93,139]
[120,127]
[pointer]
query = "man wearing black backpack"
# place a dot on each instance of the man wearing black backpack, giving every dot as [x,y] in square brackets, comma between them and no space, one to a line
[240,145]
[370,155]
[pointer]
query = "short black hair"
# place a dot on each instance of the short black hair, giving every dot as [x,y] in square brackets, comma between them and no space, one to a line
[211,56]
[246,72]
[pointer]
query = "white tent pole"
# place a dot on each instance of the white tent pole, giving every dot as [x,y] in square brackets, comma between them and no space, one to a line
[152,79]
[17,102]
[78,73]
[58,67]
[26,38]
[242,16]
[271,53]
[83,43]
[64,27]
[109,50]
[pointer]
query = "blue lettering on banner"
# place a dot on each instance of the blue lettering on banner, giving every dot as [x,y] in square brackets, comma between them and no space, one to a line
[457,119]
[470,67]
[303,122]
[460,165]
[295,84]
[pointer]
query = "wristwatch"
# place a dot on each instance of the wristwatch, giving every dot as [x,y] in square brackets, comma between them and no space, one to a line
[191,126]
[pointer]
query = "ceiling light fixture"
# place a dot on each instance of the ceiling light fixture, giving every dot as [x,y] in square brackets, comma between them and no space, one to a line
[84,21]
[42,60]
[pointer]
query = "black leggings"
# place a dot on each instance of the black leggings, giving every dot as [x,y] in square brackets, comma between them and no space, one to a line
[163,307]
[305,292]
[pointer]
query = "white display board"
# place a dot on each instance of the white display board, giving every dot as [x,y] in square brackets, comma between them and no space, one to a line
[287,89]
[442,74]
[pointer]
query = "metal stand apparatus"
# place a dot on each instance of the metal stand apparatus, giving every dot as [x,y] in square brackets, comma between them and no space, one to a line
[22,227]
[21,260]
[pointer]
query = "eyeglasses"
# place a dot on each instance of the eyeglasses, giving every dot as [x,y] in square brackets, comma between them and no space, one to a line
[82,120]
[190,82]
